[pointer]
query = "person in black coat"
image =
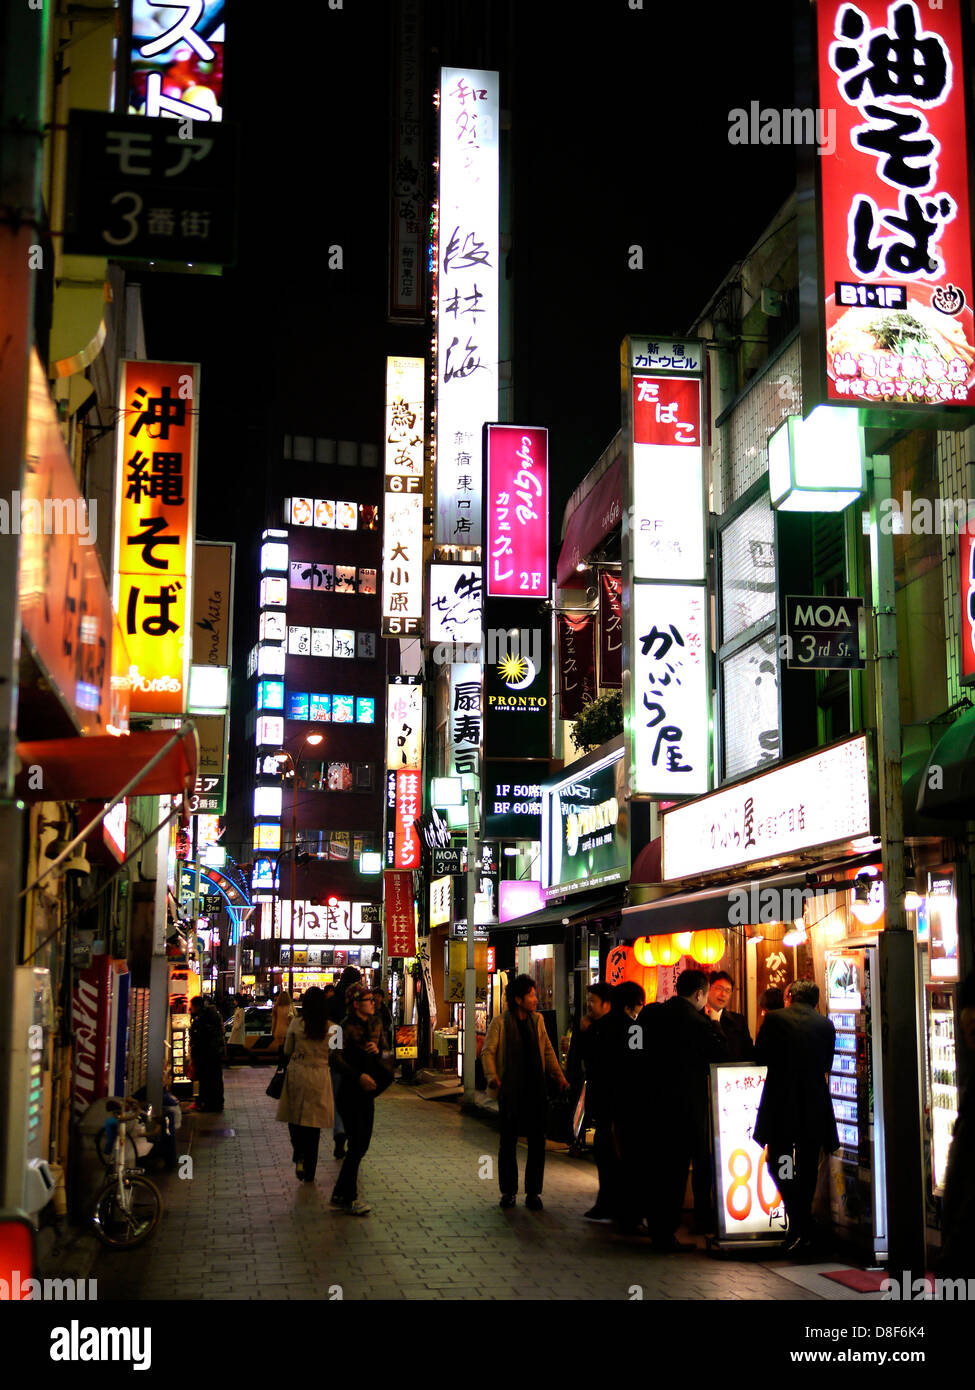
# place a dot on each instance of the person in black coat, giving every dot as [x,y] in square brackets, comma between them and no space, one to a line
[681,1043]
[596,1055]
[795,1116]
[733,1026]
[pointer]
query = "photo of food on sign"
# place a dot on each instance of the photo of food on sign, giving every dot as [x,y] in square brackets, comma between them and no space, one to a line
[917,353]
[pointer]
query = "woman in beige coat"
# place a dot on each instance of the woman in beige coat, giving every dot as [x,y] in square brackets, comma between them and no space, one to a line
[306,1102]
[281,1015]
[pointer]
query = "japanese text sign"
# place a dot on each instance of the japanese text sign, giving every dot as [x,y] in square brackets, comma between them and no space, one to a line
[670,690]
[896,237]
[402,590]
[409,797]
[465,718]
[456,604]
[610,629]
[668,479]
[151,190]
[748,1202]
[407,265]
[404,727]
[399,915]
[155,497]
[65,608]
[818,800]
[176,59]
[517,511]
[577,663]
[468,247]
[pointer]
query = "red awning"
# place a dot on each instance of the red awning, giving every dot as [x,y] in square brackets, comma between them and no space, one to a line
[592,521]
[98,767]
[647,865]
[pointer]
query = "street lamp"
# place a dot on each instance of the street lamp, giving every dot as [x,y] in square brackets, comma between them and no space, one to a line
[310,741]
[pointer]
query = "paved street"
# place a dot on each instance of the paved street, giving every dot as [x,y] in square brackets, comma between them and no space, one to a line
[242,1227]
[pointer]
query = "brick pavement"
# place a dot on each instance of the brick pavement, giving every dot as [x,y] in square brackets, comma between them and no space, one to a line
[242,1227]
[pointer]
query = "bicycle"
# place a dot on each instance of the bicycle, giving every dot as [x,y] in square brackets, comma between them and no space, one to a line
[128,1206]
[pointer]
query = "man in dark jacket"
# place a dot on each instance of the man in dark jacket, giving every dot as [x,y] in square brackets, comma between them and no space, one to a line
[206,1053]
[733,1026]
[595,1045]
[681,1043]
[795,1115]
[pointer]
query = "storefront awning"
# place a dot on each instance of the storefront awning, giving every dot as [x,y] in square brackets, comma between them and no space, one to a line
[712,907]
[557,914]
[592,521]
[94,768]
[948,786]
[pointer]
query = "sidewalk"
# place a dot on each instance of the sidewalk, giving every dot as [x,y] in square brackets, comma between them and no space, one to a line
[242,1227]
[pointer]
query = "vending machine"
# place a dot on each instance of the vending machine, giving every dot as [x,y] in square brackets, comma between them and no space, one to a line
[858,1192]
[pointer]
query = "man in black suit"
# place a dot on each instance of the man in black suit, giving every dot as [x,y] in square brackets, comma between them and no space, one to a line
[795,1116]
[681,1042]
[734,1029]
[733,1026]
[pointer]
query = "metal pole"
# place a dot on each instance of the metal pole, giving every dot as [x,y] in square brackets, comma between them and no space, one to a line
[159,972]
[22,66]
[470,974]
[294,874]
[898,971]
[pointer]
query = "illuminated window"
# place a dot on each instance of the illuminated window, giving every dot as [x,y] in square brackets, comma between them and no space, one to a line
[297,704]
[270,695]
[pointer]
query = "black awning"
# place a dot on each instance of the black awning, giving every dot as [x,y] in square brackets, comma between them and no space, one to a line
[947,788]
[561,914]
[733,904]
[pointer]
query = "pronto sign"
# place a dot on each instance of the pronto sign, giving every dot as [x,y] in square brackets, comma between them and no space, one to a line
[819,800]
[585,826]
[896,238]
[155,505]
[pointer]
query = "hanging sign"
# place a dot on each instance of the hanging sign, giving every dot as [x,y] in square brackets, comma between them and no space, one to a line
[517,511]
[577,663]
[400,914]
[610,630]
[467,259]
[402,592]
[155,505]
[823,633]
[897,292]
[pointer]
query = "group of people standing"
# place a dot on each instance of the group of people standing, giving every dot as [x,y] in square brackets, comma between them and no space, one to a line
[339,1061]
[647,1069]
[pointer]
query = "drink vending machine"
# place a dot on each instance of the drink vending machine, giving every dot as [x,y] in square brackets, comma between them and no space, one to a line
[858,1190]
[942,1077]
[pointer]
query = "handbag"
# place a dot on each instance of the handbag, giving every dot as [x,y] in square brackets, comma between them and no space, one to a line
[276,1084]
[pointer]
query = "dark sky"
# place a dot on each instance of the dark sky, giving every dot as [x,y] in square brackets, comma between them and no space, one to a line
[620,125]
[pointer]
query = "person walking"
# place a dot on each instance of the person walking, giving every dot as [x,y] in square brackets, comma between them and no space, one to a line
[282,1012]
[359,1064]
[795,1115]
[207,1053]
[517,1056]
[680,1044]
[235,1043]
[734,1026]
[631,1116]
[337,1011]
[306,1103]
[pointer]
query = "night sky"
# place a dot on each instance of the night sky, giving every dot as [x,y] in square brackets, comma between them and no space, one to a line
[620,130]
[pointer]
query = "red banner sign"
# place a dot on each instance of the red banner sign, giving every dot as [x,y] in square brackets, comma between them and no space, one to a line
[610,630]
[577,663]
[400,914]
[91,1008]
[967,551]
[517,506]
[896,235]
[408,807]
